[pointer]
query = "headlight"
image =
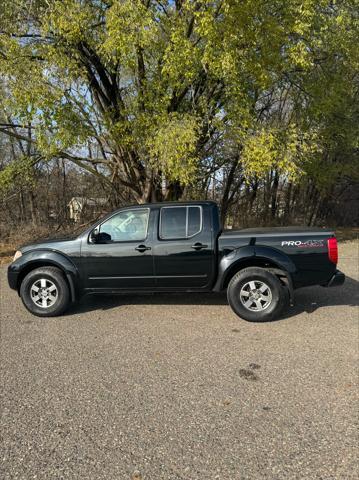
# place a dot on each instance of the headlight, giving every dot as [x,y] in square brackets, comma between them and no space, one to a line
[17,255]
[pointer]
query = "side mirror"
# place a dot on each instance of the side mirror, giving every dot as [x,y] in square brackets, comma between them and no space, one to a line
[100,237]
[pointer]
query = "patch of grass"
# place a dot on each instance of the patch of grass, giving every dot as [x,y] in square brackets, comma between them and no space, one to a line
[6,253]
[16,237]
[13,238]
[347,234]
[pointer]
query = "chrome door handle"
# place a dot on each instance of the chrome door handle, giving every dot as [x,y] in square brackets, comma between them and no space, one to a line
[199,246]
[142,248]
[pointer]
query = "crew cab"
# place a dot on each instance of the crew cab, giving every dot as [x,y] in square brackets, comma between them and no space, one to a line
[176,247]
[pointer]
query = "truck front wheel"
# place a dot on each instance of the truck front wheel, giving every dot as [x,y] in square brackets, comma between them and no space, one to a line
[45,292]
[256,295]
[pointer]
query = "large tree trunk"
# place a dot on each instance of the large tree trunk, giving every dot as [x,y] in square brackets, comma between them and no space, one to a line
[267,196]
[314,206]
[22,207]
[288,199]
[174,191]
[32,208]
[274,195]
[253,195]
[225,202]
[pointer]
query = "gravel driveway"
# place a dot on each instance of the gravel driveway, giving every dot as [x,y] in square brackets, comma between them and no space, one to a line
[177,387]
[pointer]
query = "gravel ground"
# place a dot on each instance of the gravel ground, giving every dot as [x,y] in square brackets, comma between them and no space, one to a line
[178,387]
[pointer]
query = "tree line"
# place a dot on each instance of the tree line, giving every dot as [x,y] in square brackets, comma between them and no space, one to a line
[252,103]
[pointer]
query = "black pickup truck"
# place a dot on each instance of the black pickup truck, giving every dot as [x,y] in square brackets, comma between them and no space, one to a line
[176,247]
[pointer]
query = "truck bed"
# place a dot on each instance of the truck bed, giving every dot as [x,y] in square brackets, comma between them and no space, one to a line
[307,249]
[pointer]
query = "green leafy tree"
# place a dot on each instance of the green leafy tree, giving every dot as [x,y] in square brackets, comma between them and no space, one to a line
[145,94]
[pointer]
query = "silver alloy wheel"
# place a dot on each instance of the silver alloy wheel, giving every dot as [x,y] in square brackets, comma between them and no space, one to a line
[256,295]
[43,293]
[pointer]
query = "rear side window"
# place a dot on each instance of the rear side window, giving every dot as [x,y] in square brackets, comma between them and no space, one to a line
[194,221]
[180,222]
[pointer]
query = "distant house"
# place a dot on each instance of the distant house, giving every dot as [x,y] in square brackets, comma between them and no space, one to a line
[80,207]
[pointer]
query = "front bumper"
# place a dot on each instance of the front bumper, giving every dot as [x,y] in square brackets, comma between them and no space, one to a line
[337,279]
[12,276]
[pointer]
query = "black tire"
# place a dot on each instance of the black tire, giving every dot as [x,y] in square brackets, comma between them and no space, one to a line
[276,295]
[52,276]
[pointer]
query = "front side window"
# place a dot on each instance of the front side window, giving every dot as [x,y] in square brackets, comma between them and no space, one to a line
[180,222]
[129,225]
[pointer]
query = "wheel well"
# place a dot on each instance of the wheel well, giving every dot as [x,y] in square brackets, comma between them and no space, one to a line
[255,262]
[38,264]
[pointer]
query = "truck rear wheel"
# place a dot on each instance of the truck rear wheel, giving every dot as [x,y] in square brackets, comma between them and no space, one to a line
[45,292]
[256,295]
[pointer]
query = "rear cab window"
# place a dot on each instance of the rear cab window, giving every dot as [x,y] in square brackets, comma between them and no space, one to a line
[180,222]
